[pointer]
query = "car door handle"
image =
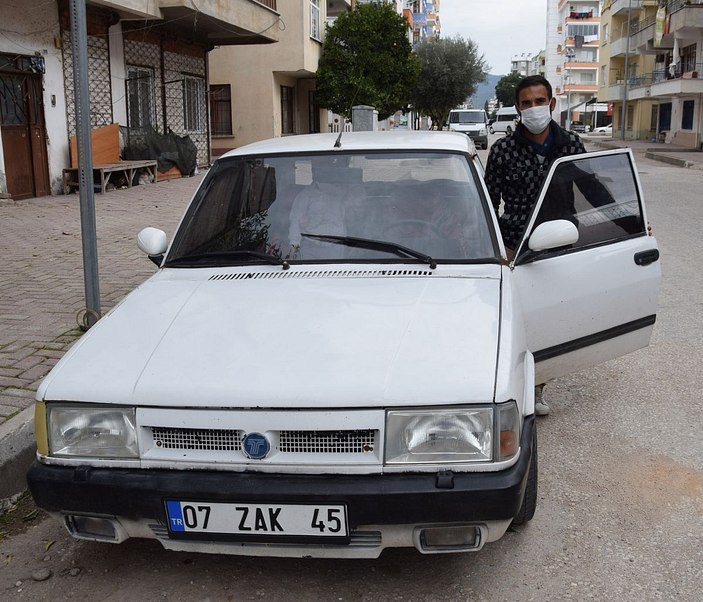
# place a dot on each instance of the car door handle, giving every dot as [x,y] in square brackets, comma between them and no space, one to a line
[647,257]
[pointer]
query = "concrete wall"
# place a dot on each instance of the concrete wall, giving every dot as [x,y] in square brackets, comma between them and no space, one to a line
[31,27]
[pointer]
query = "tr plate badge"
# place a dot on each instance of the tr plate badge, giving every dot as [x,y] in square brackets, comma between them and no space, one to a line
[255,446]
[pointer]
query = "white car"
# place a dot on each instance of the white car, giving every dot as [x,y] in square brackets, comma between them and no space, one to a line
[605,129]
[336,356]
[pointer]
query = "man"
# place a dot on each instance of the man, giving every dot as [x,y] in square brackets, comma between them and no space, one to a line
[518,165]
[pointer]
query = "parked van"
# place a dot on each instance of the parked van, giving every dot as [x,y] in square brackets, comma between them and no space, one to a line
[473,123]
[506,120]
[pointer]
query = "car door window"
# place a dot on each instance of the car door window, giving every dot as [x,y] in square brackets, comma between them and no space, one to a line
[598,194]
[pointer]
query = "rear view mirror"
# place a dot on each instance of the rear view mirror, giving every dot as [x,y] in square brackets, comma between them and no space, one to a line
[553,234]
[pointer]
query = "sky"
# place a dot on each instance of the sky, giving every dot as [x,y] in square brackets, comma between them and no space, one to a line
[500,28]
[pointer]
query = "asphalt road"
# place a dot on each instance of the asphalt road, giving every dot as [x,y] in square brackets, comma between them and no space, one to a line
[620,511]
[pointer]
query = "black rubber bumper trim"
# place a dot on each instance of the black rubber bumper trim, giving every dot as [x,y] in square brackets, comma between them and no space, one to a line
[370,499]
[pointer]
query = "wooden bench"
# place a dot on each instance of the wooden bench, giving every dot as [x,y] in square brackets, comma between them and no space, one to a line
[106,160]
[128,168]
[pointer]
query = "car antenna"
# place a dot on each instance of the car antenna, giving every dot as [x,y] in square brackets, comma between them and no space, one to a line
[338,141]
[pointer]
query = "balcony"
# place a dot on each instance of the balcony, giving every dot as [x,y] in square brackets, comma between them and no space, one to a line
[686,19]
[620,7]
[619,47]
[228,23]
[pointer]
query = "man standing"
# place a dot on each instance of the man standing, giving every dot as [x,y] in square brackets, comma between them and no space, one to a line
[518,165]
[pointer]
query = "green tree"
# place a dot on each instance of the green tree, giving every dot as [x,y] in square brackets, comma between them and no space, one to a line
[505,88]
[366,60]
[450,68]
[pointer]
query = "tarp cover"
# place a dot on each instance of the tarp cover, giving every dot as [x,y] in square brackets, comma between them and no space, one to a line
[169,149]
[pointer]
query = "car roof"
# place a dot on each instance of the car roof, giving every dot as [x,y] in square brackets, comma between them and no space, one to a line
[360,141]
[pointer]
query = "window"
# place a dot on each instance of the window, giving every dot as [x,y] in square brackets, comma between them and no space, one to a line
[583,30]
[194,103]
[599,196]
[688,58]
[287,110]
[687,116]
[221,110]
[141,108]
[603,75]
[630,116]
[315,20]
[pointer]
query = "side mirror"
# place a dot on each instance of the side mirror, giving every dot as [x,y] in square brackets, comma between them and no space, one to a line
[154,243]
[552,235]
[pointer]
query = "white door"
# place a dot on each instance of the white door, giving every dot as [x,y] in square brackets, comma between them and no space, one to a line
[596,299]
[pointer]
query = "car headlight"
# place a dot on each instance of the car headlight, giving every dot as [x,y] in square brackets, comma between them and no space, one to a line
[475,434]
[439,435]
[94,432]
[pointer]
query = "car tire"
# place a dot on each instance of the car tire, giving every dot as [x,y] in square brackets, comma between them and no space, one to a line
[485,146]
[491,130]
[529,502]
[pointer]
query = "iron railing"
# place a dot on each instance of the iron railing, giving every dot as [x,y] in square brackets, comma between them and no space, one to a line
[268,3]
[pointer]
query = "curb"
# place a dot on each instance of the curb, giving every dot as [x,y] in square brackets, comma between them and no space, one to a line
[17,451]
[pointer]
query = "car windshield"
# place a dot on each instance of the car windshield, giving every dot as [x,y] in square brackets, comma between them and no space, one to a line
[389,207]
[466,117]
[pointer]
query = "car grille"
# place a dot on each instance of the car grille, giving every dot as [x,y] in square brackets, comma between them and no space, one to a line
[326,442]
[205,439]
[296,442]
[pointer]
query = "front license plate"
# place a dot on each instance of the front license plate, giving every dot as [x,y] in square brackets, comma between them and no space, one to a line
[254,521]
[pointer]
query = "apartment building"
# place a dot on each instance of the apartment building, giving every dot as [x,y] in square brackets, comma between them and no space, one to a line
[268,91]
[147,70]
[572,63]
[654,68]
[527,63]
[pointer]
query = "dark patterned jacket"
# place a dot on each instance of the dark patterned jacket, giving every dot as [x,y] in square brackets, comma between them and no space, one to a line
[515,174]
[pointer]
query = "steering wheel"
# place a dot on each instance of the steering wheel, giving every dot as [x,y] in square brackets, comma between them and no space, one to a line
[417,223]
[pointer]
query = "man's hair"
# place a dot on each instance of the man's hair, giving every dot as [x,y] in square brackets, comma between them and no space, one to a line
[528,82]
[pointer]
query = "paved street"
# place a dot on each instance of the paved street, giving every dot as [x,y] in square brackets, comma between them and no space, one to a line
[620,510]
[41,275]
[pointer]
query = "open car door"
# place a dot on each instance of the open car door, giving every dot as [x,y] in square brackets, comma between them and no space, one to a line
[594,299]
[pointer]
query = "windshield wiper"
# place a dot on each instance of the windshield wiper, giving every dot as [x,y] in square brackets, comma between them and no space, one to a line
[234,254]
[374,245]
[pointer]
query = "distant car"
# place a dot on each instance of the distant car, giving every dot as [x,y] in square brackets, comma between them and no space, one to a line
[473,123]
[605,129]
[578,126]
[336,355]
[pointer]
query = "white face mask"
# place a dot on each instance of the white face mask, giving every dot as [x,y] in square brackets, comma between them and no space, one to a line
[536,119]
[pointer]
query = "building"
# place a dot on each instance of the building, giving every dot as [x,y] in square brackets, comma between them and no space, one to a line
[572,63]
[522,64]
[267,91]
[147,71]
[655,69]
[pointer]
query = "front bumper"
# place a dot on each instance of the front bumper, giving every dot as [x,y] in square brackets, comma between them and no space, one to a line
[409,499]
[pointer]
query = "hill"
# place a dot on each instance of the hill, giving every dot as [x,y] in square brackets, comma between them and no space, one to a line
[485,91]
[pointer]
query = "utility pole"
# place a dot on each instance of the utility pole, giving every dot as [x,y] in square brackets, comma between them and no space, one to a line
[623,113]
[79,44]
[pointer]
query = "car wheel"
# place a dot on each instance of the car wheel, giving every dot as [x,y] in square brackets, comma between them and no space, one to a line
[485,146]
[508,130]
[529,502]
[491,130]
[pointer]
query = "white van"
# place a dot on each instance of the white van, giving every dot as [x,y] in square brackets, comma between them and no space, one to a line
[505,121]
[473,123]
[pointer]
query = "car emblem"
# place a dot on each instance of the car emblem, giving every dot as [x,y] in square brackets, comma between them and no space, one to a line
[255,446]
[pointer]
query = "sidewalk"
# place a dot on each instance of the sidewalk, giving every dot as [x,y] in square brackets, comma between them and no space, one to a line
[666,153]
[41,278]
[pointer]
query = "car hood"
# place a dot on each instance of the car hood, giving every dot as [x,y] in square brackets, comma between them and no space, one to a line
[300,338]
